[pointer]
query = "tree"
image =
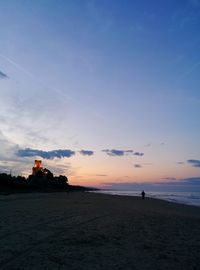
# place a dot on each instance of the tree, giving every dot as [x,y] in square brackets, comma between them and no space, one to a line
[62,179]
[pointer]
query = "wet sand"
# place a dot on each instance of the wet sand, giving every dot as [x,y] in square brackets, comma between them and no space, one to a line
[96,231]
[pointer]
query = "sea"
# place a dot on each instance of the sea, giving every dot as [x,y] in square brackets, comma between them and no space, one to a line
[189,198]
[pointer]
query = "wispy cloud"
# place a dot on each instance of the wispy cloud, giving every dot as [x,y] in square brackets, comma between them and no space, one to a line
[120,153]
[3,75]
[86,152]
[115,152]
[194,162]
[169,178]
[138,154]
[192,180]
[21,164]
[147,145]
[28,152]
[137,166]
[7,147]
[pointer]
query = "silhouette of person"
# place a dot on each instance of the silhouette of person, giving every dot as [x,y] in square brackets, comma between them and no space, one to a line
[143,194]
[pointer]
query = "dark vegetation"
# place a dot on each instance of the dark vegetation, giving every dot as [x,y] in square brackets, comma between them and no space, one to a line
[39,183]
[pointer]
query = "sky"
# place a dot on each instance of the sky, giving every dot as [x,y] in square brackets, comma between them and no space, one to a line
[105,92]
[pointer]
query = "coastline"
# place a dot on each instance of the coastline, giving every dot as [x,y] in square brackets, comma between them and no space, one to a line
[85,230]
[185,198]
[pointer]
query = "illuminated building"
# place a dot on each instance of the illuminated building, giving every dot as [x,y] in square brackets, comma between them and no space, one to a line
[38,171]
[37,167]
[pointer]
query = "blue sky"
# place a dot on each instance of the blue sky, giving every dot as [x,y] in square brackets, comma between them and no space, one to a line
[101,75]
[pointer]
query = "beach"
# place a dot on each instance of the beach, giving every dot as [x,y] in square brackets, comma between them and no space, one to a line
[82,230]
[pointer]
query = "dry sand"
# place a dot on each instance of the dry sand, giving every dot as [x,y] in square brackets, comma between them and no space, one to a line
[95,231]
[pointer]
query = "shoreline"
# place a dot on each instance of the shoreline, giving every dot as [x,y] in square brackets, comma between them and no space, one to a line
[100,193]
[162,196]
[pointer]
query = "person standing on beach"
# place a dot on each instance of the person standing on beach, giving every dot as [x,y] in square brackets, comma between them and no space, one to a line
[143,194]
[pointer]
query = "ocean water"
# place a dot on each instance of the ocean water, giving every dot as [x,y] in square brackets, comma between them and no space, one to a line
[189,198]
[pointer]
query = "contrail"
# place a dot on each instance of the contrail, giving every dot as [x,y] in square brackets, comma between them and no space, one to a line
[19,67]
[3,75]
[16,65]
[58,91]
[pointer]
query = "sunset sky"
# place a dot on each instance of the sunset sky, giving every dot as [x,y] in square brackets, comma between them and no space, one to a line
[105,92]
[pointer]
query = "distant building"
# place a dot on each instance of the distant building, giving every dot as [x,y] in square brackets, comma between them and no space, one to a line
[38,171]
[37,167]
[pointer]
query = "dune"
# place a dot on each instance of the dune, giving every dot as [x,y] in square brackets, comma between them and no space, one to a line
[81,230]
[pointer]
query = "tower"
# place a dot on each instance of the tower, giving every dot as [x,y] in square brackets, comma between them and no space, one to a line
[37,167]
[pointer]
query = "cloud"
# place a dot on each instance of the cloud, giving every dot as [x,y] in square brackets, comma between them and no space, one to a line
[19,165]
[180,162]
[120,153]
[192,180]
[3,75]
[137,166]
[138,154]
[114,152]
[8,160]
[28,152]
[169,178]
[147,145]
[86,152]
[194,162]
[7,147]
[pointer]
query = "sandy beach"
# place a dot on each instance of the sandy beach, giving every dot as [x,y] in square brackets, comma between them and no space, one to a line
[95,231]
